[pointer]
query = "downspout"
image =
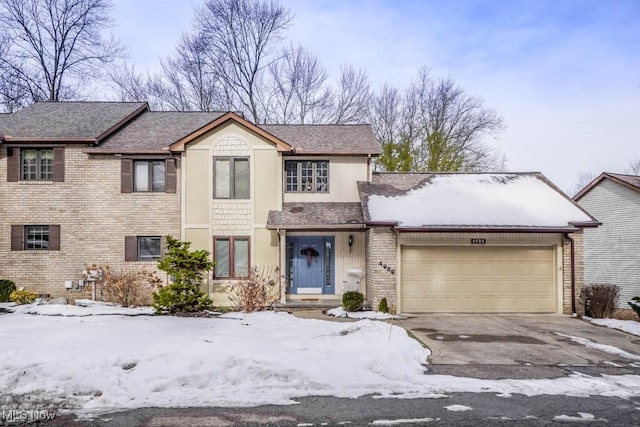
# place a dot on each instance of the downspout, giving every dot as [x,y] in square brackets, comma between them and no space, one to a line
[280,273]
[574,312]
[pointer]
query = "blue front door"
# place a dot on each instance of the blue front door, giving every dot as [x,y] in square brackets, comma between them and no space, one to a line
[310,263]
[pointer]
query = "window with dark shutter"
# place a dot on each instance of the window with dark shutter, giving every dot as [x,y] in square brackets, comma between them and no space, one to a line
[54,237]
[171,180]
[126,176]
[13,164]
[130,248]
[16,237]
[58,164]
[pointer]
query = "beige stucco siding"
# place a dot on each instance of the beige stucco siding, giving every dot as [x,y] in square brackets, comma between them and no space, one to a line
[344,173]
[232,217]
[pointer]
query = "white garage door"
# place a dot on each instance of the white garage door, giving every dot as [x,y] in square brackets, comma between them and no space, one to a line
[478,279]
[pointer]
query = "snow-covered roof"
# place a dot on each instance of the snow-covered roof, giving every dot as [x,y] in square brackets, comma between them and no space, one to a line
[496,200]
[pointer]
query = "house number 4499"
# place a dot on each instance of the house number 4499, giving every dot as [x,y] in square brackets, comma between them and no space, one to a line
[478,241]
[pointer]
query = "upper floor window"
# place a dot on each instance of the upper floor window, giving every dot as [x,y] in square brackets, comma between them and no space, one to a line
[35,237]
[148,175]
[231,178]
[36,164]
[307,176]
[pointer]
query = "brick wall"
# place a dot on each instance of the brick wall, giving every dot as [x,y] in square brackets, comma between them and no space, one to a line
[579,272]
[94,218]
[381,248]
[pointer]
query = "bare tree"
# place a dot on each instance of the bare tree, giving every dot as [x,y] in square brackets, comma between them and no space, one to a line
[56,45]
[437,125]
[296,89]
[633,167]
[582,179]
[129,85]
[353,96]
[13,95]
[240,36]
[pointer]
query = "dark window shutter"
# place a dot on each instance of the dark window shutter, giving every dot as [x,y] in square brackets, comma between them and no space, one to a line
[54,237]
[16,237]
[130,248]
[13,164]
[163,247]
[58,164]
[126,176]
[171,181]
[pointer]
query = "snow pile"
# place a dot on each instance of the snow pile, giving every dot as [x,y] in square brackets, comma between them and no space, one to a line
[629,326]
[82,308]
[458,408]
[99,364]
[478,199]
[602,347]
[374,315]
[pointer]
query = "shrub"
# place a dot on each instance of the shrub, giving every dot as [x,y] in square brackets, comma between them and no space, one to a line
[130,288]
[188,268]
[6,288]
[635,305]
[383,307]
[599,299]
[180,297]
[23,297]
[257,291]
[352,301]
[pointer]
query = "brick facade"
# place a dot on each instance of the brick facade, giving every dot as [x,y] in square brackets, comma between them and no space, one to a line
[93,215]
[381,248]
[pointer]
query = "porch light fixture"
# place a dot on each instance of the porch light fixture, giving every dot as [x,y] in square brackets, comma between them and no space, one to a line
[350,241]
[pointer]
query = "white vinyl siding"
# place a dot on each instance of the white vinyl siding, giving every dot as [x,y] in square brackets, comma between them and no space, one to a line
[611,252]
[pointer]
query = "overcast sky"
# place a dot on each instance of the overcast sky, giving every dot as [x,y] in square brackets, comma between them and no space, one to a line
[564,74]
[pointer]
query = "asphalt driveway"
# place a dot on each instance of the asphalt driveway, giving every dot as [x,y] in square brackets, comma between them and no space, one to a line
[521,345]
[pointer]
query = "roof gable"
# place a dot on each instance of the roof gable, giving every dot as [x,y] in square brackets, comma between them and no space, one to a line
[492,200]
[629,181]
[225,118]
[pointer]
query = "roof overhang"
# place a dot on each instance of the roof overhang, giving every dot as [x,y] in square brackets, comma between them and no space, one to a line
[317,227]
[179,145]
[48,140]
[91,151]
[488,229]
[598,180]
[300,152]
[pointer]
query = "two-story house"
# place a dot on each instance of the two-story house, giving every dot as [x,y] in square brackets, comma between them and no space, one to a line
[96,182]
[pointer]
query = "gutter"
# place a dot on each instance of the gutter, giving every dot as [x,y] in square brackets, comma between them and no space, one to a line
[462,229]
[574,312]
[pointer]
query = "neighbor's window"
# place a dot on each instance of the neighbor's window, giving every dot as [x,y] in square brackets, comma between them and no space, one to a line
[149,248]
[36,164]
[148,175]
[230,178]
[36,237]
[231,257]
[307,176]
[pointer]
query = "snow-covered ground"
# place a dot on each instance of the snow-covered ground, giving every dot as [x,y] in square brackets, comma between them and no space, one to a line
[628,326]
[94,364]
[374,315]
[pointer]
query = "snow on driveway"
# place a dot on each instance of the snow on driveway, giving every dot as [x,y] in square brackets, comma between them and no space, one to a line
[629,326]
[95,364]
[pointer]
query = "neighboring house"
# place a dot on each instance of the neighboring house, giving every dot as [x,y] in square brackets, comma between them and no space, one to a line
[95,182]
[611,251]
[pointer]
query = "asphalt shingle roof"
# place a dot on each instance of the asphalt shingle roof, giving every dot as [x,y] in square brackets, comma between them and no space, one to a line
[633,180]
[299,215]
[156,130]
[74,120]
[322,139]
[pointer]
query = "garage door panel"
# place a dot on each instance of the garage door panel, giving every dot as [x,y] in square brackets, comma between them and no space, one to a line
[469,279]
